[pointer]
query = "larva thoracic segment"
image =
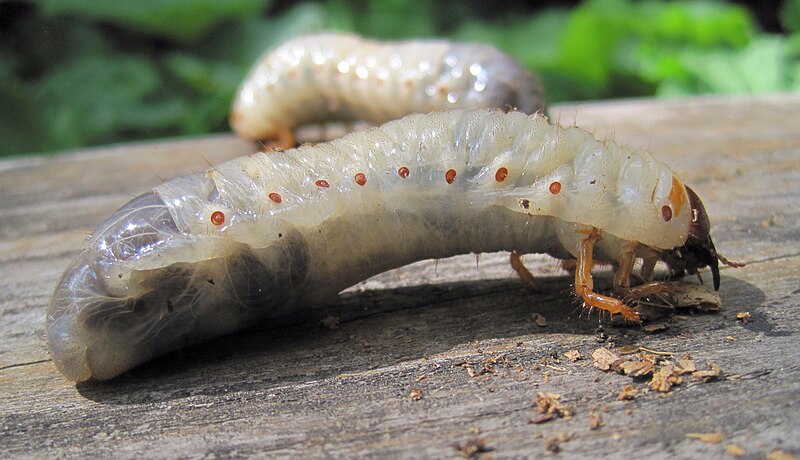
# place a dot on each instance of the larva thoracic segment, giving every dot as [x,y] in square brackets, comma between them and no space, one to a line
[207,254]
[335,76]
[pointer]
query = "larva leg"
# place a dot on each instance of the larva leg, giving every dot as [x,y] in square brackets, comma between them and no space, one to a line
[648,267]
[283,140]
[623,275]
[584,283]
[660,289]
[569,265]
[525,275]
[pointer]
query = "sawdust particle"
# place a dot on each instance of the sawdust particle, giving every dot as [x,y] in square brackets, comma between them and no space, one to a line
[472,448]
[628,393]
[710,438]
[550,408]
[743,316]
[778,454]
[595,421]
[734,450]
[554,444]
[539,320]
[573,355]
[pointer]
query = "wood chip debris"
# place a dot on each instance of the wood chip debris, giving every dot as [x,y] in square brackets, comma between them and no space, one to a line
[686,364]
[628,393]
[734,450]
[595,421]
[539,320]
[554,444]
[662,368]
[550,408]
[778,454]
[697,296]
[743,316]
[636,368]
[655,327]
[628,349]
[712,373]
[605,359]
[710,438]
[472,448]
[416,394]
[573,355]
[487,366]
[664,378]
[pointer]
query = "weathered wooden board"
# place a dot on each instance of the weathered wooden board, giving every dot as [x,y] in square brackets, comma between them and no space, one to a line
[462,334]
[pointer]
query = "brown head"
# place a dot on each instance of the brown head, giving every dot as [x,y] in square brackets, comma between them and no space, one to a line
[699,251]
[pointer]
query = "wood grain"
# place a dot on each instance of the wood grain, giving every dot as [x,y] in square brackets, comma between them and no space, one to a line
[297,389]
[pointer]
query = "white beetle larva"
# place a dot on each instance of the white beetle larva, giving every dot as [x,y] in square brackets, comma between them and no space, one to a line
[258,236]
[337,76]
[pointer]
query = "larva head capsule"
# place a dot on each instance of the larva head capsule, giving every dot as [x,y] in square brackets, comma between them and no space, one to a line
[699,250]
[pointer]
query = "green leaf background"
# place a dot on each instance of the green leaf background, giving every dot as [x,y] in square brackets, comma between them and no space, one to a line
[75,73]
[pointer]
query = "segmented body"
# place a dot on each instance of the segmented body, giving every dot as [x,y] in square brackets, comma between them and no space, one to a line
[258,236]
[336,76]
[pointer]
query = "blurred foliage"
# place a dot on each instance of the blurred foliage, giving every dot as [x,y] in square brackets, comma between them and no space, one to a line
[186,21]
[82,72]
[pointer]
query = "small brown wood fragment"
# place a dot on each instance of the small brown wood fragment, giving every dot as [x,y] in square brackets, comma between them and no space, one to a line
[539,320]
[628,350]
[605,359]
[743,316]
[573,355]
[656,352]
[712,373]
[554,444]
[628,393]
[686,366]
[472,448]
[595,421]
[636,368]
[664,378]
[710,438]
[550,408]
[542,419]
[697,296]
[655,327]
[778,454]
[734,450]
